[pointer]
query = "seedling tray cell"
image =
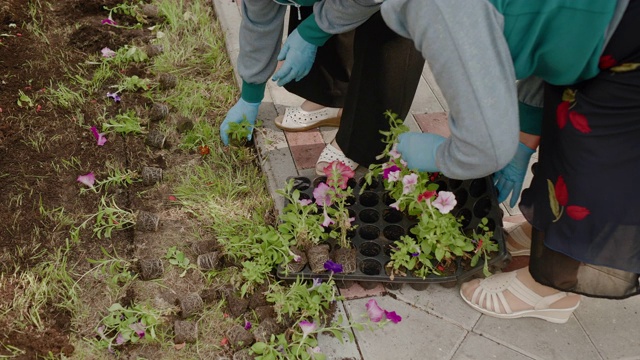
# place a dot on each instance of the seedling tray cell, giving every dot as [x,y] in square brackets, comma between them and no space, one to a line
[378,226]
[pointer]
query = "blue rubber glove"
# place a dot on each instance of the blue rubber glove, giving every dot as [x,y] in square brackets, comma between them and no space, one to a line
[298,56]
[236,114]
[509,180]
[419,150]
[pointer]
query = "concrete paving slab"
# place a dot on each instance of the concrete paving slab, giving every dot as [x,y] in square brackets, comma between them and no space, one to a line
[418,336]
[356,291]
[612,326]
[540,339]
[441,302]
[476,347]
[333,347]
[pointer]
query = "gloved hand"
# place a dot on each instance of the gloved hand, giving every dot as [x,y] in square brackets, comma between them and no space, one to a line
[419,150]
[236,114]
[298,56]
[509,179]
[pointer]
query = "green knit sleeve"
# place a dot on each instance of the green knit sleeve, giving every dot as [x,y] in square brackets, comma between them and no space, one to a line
[530,118]
[311,32]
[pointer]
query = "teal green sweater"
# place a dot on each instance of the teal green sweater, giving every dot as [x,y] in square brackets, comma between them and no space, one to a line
[478,49]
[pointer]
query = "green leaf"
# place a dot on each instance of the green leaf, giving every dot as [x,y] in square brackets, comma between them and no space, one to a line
[258,347]
[115,307]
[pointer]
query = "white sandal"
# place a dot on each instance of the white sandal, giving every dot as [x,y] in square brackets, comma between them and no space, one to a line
[296,119]
[330,154]
[489,299]
[518,240]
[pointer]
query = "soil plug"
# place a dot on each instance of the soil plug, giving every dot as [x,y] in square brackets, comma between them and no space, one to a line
[317,256]
[264,312]
[209,261]
[243,354]
[150,269]
[297,266]
[265,329]
[347,258]
[157,139]
[153,50]
[151,175]
[203,247]
[190,304]
[185,331]
[158,112]
[167,81]
[239,337]
[146,221]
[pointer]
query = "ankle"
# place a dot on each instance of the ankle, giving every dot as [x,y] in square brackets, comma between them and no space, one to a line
[311,106]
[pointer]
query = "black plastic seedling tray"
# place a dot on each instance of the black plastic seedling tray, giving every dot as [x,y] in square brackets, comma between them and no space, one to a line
[378,226]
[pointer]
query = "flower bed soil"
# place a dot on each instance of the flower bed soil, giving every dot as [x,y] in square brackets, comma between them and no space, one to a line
[378,226]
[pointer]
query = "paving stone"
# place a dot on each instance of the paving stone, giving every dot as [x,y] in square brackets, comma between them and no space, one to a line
[476,347]
[418,336]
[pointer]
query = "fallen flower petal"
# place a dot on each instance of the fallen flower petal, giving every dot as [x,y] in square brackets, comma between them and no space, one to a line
[172,198]
[107,53]
[333,267]
[99,136]
[247,325]
[374,310]
[392,316]
[88,179]
[138,328]
[120,339]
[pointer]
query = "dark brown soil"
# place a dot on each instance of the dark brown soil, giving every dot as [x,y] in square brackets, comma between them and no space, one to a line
[31,178]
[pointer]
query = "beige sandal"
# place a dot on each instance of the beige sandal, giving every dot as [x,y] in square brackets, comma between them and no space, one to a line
[489,299]
[296,119]
[519,239]
[330,154]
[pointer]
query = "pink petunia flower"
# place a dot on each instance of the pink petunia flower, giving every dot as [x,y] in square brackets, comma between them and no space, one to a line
[374,310]
[101,139]
[390,169]
[327,220]
[395,205]
[321,194]
[409,181]
[107,53]
[108,21]
[304,202]
[445,202]
[338,172]
[88,179]
[138,328]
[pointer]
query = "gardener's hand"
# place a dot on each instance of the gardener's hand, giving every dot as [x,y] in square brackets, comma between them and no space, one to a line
[509,180]
[298,56]
[419,150]
[240,111]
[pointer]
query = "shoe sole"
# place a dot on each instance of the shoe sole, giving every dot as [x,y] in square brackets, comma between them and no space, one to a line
[324,122]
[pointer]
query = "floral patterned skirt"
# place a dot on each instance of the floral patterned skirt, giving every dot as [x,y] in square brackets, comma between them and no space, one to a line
[584,199]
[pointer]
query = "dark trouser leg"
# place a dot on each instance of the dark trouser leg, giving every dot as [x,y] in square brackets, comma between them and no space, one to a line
[327,82]
[385,75]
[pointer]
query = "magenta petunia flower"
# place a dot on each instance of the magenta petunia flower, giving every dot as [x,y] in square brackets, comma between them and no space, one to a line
[99,136]
[391,169]
[374,310]
[392,316]
[445,202]
[307,327]
[321,194]
[247,325]
[138,328]
[107,53]
[333,267]
[108,21]
[88,179]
